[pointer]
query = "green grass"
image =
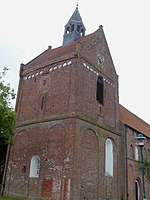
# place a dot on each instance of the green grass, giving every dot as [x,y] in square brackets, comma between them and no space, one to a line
[7,198]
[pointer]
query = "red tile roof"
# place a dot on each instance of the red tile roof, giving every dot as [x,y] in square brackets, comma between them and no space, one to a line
[133,121]
[49,53]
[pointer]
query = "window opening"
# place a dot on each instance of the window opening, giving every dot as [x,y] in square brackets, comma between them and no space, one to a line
[100,91]
[68,30]
[72,27]
[109,158]
[137,190]
[82,32]
[44,82]
[78,28]
[34,166]
[42,102]
[136,153]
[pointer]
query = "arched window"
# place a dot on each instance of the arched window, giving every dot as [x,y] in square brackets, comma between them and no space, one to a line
[99,93]
[136,153]
[72,27]
[82,32]
[78,28]
[109,161]
[137,190]
[68,30]
[34,166]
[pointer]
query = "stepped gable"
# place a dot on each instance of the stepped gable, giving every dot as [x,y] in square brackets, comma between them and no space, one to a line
[133,121]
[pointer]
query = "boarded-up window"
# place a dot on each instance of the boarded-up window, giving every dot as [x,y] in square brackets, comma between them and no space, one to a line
[100,91]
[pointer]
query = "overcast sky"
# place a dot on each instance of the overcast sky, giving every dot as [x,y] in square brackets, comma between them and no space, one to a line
[28,27]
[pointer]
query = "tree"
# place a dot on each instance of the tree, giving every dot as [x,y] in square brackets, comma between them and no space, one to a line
[7,119]
[147,169]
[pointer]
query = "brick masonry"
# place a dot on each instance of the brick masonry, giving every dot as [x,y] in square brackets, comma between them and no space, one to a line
[60,120]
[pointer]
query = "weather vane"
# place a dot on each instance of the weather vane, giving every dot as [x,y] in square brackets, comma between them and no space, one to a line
[77,3]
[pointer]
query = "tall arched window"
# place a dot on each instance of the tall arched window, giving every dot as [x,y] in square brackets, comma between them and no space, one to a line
[109,161]
[34,166]
[137,190]
[99,92]
[136,153]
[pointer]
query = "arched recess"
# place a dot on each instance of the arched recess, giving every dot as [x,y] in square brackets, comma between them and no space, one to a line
[20,146]
[90,167]
[131,152]
[18,157]
[56,149]
[59,160]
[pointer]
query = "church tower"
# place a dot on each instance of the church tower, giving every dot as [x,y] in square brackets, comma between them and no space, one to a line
[74,29]
[67,140]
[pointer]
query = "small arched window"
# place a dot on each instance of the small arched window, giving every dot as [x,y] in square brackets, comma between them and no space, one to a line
[82,32]
[68,30]
[137,190]
[109,158]
[99,92]
[78,28]
[34,166]
[72,27]
[136,153]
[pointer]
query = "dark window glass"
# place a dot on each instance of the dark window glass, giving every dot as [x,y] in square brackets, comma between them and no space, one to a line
[72,27]
[100,90]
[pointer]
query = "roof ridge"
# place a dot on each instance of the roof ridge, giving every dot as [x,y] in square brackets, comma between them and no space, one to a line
[132,120]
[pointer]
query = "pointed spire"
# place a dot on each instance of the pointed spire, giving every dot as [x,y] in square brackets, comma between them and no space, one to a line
[74,29]
[76,16]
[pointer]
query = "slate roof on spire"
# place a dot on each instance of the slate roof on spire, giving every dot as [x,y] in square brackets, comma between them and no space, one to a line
[76,17]
[74,29]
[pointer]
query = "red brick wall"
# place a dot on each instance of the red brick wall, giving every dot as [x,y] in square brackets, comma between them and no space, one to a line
[133,170]
[59,119]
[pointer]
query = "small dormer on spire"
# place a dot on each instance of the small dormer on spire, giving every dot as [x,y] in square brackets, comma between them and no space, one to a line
[74,29]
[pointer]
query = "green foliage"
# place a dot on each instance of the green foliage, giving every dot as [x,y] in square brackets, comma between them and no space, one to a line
[8,198]
[7,113]
[7,119]
[146,165]
[122,197]
[147,169]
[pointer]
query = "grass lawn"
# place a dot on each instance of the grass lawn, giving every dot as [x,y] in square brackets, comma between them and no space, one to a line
[7,198]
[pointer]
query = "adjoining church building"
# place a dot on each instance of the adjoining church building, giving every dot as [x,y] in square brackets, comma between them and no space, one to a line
[73,140]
